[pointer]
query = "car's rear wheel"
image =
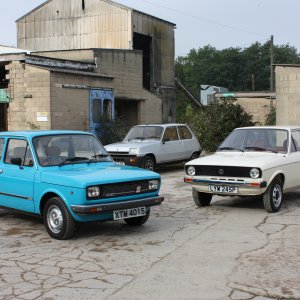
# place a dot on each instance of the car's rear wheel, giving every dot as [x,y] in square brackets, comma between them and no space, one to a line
[58,221]
[201,199]
[148,163]
[273,196]
[137,221]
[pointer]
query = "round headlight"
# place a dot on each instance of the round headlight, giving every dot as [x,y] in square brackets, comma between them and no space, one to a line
[254,173]
[191,171]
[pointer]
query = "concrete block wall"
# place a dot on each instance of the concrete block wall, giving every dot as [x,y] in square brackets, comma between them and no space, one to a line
[288,95]
[30,94]
[126,68]
[151,108]
[70,106]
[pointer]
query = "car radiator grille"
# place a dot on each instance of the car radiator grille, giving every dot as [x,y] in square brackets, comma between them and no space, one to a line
[125,189]
[224,171]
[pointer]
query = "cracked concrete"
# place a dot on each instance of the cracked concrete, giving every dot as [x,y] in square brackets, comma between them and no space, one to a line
[232,249]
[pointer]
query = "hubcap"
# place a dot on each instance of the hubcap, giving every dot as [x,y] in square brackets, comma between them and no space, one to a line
[55,219]
[148,165]
[277,195]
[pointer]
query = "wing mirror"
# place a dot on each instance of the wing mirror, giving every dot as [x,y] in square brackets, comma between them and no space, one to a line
[16,161]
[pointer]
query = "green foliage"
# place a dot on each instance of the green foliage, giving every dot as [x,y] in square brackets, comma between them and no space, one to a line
[112,132]
[271,116]
[234,68]
[213,123]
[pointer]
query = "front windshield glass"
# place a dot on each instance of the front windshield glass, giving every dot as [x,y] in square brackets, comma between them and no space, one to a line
[260,139]
[58,150]
[144,133]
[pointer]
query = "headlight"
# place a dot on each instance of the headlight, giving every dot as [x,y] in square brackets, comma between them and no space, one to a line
[133,151]
[254,173]
[153,184]
[93,192]
[191,171]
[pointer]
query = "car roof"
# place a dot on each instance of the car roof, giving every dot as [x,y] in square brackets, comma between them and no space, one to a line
[163,125]
[35,133]
[271,127]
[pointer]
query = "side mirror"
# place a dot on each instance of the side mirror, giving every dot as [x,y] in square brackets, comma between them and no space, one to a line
[16,161]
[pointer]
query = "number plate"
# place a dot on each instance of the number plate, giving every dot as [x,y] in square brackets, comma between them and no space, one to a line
[129,213]
[223,189]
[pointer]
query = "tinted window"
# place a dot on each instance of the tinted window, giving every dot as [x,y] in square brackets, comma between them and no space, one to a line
[1,147]
[19,149]
[171,134]
[184,133]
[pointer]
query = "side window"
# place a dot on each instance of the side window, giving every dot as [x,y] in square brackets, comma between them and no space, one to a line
[19,149]
[171,134]
[295,140]
[1,147]
[184,133]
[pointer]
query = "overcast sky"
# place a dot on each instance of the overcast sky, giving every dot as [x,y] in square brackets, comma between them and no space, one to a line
[219,23]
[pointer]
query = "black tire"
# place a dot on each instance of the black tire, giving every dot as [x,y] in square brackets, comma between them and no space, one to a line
[273,196]
[148,163]
[195,155]
[201,199]
[138,221]
[58,221]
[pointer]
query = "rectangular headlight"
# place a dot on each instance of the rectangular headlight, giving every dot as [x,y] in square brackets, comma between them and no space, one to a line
[153,184]
[93,192]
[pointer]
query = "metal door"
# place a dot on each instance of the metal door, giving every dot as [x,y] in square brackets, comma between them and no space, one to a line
[102,108]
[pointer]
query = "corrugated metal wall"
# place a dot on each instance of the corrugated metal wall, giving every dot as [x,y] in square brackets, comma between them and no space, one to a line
[61,25]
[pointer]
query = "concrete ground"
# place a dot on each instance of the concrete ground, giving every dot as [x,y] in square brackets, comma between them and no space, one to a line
[232,249]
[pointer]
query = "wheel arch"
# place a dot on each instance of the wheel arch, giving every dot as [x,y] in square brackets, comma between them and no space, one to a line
[279,175]
[151,155]
[45,198]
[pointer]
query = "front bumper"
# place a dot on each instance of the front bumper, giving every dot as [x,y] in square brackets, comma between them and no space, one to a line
[245,186]
[110,207]
[129,160]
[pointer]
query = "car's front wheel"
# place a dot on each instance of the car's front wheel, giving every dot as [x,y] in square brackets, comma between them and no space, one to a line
[57,219]
[148,163]
[273,196]
[201,199]
[137,221]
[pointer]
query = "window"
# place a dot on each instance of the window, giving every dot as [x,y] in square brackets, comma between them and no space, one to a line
[171,134]
[1,147]
[296,140]
[107,110]
[184,133]
[97,110]
[19,149]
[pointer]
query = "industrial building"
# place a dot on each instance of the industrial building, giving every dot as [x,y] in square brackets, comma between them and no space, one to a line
[88,60]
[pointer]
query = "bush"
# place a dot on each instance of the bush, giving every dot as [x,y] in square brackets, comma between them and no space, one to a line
[213,123]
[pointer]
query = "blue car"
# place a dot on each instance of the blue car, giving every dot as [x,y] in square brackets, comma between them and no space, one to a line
[67,177]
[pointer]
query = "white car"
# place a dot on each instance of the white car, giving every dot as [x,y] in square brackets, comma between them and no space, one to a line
[251,161]
[149,145]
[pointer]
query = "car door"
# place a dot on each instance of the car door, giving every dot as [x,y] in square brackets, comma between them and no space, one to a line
[17,174]
[172,147]
[293,165]
[190,144]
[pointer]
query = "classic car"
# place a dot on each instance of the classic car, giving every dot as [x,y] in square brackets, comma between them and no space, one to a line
[146,146]
[67,177]
[252,161]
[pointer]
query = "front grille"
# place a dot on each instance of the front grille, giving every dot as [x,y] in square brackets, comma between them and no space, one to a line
[224,171]
[118,153]
[124,189]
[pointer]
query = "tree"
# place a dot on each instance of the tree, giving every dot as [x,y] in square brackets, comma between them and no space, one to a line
[213,123]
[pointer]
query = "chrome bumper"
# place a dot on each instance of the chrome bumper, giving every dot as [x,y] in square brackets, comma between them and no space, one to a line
[245,187]
[111,206]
